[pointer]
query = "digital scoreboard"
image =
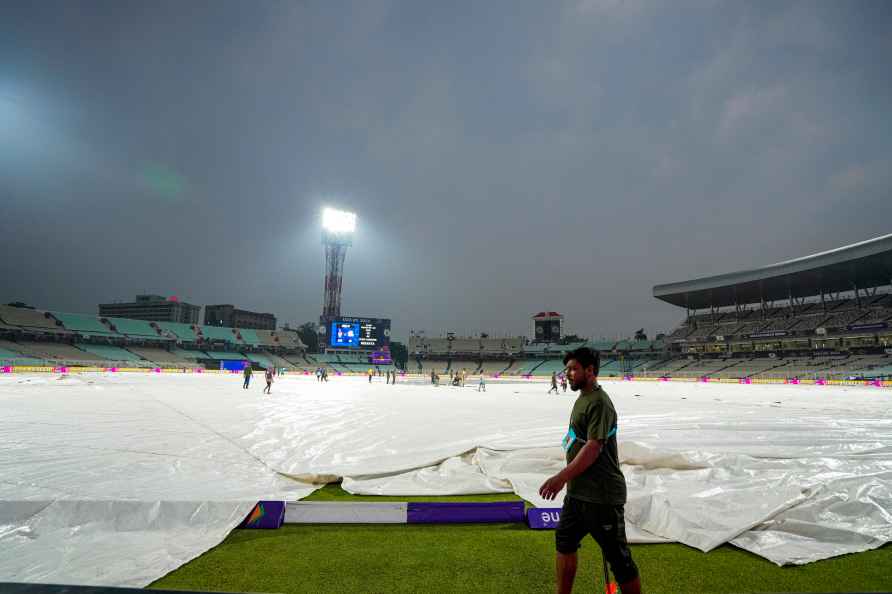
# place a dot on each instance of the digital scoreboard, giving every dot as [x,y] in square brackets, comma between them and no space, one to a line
[359,333]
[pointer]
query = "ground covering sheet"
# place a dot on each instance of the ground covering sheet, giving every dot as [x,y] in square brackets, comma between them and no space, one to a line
[116,479]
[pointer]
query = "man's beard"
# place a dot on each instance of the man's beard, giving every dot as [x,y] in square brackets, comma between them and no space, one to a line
[577,386]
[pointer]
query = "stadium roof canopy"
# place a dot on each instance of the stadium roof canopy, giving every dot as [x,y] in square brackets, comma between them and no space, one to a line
[864,265]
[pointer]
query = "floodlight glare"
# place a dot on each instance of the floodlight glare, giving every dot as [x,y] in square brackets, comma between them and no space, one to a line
[338,221]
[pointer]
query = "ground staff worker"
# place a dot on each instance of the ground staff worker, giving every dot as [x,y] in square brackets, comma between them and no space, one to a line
[596,487]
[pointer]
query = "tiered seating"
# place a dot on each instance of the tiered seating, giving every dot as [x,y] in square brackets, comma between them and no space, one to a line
[514,345]
[526,367]
[263,360]
[190,354]
[680,333]
[249,336]
[83,324]
[327,360]
[31,319]
[669,367]
[178,331]
[707,367]
[843,318]
[493,366]
[279,361]
[438,365]
[876,315]
[289,340]
[11,355]
[549,367]
[160,356]
[805,318]
[469,367]
[224,355]
[493,346]
[466,345]
[110,353]
[353,358]
[703,331]
[58,351]
[537,348]
[748,367]
[304,362]
[602,345]
[133,328]
[439,346]
[808,322]
[218,334]
[644,345]
[267,337]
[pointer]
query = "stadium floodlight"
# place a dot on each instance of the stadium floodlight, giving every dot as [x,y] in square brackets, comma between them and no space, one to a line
[337,235]
[338,221]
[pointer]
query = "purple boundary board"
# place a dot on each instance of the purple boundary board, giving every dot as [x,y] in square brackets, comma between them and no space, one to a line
[265,515]
[460,513]
[543,518]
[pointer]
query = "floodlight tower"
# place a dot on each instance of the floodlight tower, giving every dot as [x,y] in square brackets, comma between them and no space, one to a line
[337,236]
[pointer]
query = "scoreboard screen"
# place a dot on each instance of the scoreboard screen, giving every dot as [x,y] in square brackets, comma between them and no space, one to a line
[360,333]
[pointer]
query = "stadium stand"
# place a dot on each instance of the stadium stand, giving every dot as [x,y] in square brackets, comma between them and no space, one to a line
[279,361]
[289,340]
[134,328]
[190,354]
[110,353]
[263,361]
[83,324]
[267,337]
[10,355]
[249,337]
[548,367]
[160,356]
[224,355]
[177,331]
[526,367]
[494,366]
[217,334]
[31,320]
[58,351]
[833,304]
[438,365]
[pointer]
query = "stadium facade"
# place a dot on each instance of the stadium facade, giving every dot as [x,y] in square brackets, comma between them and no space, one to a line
[153,308]
[230,316]
[825,316]
[837,301]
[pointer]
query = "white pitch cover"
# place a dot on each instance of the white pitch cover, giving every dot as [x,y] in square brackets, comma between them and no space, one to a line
[117,478]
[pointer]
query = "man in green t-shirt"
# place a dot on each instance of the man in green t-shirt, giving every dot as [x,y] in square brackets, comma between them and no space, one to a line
[596,487]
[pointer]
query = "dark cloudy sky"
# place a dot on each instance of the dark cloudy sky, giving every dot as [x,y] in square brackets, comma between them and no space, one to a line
[503,157]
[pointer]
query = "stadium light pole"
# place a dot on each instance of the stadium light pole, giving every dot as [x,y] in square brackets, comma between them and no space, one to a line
[337,235]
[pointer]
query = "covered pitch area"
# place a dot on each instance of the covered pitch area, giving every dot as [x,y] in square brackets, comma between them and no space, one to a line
[118,479]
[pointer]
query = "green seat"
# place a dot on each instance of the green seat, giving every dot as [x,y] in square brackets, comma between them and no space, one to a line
[83,324]
[179,331]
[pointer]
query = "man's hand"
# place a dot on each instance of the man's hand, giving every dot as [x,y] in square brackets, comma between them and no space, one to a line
[552,487]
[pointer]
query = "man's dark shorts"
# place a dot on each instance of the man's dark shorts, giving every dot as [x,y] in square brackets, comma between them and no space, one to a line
[606,524]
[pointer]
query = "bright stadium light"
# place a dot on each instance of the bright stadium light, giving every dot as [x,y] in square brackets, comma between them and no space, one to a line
[338,221]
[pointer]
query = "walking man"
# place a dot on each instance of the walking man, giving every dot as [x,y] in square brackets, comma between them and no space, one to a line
[596,488]
[247,374]
[553,383]
[481,387]
[269,381]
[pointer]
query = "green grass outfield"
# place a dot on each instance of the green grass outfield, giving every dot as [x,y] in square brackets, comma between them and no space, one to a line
[498,558]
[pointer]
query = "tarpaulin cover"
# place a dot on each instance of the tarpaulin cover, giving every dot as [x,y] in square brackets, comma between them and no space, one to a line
[792,473]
